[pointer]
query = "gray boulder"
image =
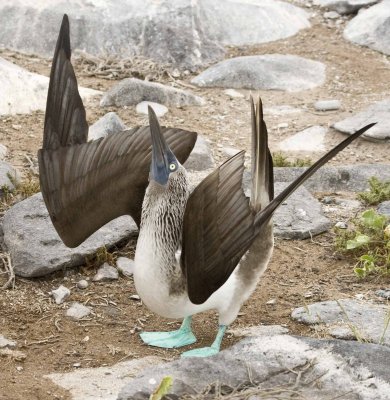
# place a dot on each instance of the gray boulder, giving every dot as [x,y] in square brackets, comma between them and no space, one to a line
[362,320]
[345,6]
[22,91]
[78,311]
[378,112]
[181,32]
[275,361]
[266,72]
[201,157]
[106,125]
[37,250]
[299,216]
[349,178]
[371,28]
[132,91]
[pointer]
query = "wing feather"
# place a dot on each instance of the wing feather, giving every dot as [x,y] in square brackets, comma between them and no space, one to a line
[217,230]
[87,184]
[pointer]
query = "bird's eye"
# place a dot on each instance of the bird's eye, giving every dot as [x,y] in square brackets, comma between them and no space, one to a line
[172,166]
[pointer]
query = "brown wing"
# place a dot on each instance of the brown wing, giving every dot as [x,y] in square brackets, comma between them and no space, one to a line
[217,230]
[85,185]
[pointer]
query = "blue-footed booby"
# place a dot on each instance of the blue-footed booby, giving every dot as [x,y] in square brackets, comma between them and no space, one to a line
[87,184]
[207,249]
[196,251]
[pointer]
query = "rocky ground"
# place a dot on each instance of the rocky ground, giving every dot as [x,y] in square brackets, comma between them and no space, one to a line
[38,337]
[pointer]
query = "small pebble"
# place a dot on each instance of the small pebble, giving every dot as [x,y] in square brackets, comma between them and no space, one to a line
[77,311]
[327,105]
[19,368]
[283,125]
[59,295]
[77,365]
[272,301]
[331,15]
[341,225]
[135,297]
[82,284]
[106,273]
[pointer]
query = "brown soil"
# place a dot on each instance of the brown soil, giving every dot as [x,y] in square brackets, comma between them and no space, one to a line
[53,343]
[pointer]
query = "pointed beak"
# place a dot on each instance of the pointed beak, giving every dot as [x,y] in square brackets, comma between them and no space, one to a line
[161,153]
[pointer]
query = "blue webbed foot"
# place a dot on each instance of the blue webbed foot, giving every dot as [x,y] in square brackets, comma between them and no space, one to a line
[170,340]
[208,351]
[202,352]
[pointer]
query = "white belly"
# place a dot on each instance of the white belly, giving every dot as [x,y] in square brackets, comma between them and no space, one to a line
[153,288]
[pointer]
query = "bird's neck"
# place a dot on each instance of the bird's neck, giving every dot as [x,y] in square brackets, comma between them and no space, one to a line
[162,217]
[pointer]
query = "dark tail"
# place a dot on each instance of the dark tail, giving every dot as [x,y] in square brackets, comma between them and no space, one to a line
[262,190]
[267,212]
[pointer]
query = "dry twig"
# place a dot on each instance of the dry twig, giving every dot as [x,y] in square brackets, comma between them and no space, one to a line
[5,258]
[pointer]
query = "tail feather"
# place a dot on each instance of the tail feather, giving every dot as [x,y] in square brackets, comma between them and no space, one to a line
[262,190]
[266,213]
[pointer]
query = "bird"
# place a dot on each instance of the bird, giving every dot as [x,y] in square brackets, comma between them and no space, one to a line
[206,250]
[87,184]
[196,251]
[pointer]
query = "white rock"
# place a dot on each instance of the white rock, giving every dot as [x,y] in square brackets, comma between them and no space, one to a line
[125,266]
[331,15]
[233,93]
[185,33]
[201,157]
[310,140]
[82,284]
[371,28]
[131,91]
[341,225]
[266,72]
[106,125]
[159,109]
[4,342]
[78,311]
[23,92]
[103,383]
[60,294]
[327,105]
[106,273]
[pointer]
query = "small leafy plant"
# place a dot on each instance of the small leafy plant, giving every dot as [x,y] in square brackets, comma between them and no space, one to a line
[281,160]
[368,242]
[379,191]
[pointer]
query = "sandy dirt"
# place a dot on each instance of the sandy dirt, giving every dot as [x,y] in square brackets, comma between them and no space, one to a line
[300,271]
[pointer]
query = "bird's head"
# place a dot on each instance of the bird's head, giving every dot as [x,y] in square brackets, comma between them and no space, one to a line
[164,162]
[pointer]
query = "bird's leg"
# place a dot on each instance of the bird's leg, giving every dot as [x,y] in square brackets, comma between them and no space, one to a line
[208,351]
[170,340]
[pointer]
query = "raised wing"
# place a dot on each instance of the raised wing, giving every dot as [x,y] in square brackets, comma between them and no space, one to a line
[217,230]
[85,185]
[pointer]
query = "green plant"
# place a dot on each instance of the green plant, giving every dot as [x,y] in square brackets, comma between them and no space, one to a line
[368,241]
[101,256]
[281,160]
[378,192]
